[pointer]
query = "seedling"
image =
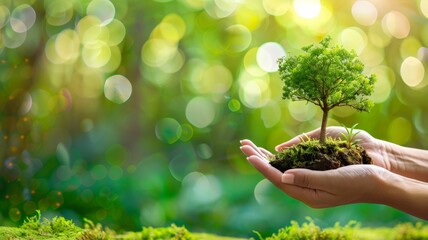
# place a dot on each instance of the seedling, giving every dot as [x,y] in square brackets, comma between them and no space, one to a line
[304,138]
[350,136]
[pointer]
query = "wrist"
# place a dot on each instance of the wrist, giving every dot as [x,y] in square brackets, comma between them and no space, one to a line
[383,187]
[406,194]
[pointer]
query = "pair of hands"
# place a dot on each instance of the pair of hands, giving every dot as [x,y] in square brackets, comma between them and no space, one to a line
[319,189]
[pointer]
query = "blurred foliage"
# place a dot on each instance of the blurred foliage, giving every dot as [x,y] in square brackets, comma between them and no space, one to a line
[130,112]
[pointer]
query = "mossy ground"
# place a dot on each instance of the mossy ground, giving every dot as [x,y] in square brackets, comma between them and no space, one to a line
[311,154]
[60,228]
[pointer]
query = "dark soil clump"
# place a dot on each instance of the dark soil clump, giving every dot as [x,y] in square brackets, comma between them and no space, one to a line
[312,155]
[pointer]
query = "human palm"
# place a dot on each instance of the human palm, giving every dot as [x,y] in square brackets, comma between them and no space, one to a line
[368,183]
[375,148]
[345,185]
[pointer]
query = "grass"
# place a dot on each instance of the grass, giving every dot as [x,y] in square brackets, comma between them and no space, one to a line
[351,231]
[60,228]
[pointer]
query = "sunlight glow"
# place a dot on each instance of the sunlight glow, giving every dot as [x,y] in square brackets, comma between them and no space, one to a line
[102,9]
[396,24]
[353,39]
[385,79]
[59,12]
[276,7]
[424,7]
[200,112]
[22,18]
[4,16]
[364,12]
[254,93]
[268,54]
[211,79]
[117,89]
[412,71]
[307,8]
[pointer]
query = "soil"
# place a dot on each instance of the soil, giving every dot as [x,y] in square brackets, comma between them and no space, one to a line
[315,156]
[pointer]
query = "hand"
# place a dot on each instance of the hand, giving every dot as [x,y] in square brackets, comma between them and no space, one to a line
[375,148]
[350,184]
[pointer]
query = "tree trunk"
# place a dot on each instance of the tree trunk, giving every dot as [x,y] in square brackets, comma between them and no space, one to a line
[324,126]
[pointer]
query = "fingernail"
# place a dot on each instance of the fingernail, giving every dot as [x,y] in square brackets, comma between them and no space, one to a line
[287,178]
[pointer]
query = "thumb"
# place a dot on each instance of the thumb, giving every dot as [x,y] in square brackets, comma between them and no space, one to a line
[297,139]
[288,144]
[306,178]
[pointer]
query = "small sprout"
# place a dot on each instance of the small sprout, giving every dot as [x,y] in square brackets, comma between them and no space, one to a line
[350,136]
[302,138]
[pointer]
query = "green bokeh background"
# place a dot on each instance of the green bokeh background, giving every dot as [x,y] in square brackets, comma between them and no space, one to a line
[130,113]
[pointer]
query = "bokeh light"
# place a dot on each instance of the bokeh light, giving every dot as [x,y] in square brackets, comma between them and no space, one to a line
[364,12]
[67,46]
[102,9]
[168,130]
[353,39]
[4,15]
[96,54]
[271,114]
[412,71]
[254,92]
[221,8]
[211,79]
[117,89]
[409,47]
[424,7]
[22,18]
[183,163]
[157,52]
[276,7]
[307,8]
[384,83]
[200,112]
[116,31]
[268,54]
[59,12]
[11,38]
[396,24]
[239,38]
[201,190]
[302,111]
[399,130]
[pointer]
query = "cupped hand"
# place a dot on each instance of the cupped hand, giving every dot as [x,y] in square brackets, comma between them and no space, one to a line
[375,148]
[318,189]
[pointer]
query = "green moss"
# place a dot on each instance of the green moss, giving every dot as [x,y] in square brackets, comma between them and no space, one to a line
[311,154]
[351,231]
[60,228]
[173,232]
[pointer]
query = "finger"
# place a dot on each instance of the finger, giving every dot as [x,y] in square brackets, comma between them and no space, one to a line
[266,152]
[263,166]
[250,151]
[305,178]
[297,139]
[289,143]
[247,142]
[312,197]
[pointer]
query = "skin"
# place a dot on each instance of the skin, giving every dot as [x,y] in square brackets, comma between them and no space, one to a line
[397,178]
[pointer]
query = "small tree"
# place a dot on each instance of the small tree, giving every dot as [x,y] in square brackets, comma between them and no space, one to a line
[328,77]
